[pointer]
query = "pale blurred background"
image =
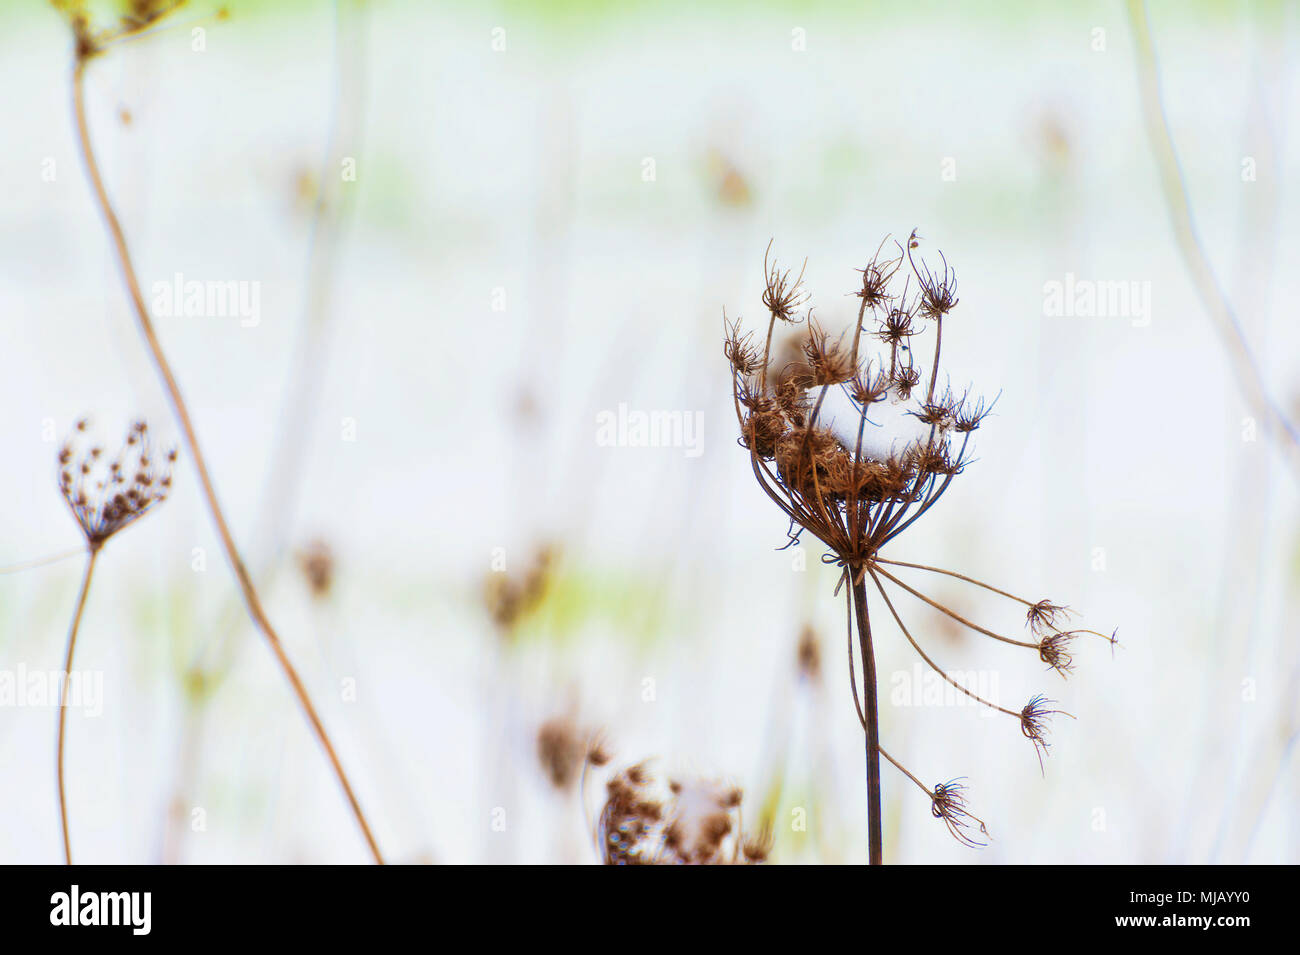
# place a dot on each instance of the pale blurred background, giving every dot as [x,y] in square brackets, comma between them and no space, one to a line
[552,205]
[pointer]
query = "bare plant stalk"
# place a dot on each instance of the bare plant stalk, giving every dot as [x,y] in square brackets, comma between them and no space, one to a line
[251,599]
[91,554]
[1250,379]
[872,720]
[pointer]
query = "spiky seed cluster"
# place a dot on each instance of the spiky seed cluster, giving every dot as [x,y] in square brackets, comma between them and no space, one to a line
[948,803]
[647,821]
[1033,723]
[783,296]
[828,481]
[108,493]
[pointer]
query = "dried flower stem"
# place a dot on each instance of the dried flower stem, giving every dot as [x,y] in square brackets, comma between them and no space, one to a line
[926,657]
[251,599]
[951,613]
[953,573]
[91,553]
[871,720]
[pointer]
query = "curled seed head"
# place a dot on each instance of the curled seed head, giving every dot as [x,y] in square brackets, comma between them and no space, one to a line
[948,802]
[1033,724]
[1044,617]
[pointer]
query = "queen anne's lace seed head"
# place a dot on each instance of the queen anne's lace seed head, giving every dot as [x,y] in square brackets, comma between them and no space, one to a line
[107,492]
[855,442]
[649,820]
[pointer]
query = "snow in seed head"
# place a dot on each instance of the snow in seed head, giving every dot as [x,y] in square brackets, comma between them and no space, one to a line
[889,428]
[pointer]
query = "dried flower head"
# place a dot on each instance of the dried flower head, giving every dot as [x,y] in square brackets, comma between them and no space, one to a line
[855,443]
[948,802]
[1042,617]
[647,820]
[1033,723]
[1054,650]
[783,296]
[106,493]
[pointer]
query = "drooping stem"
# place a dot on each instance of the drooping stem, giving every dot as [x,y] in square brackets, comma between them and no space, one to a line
[251,599]
[63,695]
[870,717]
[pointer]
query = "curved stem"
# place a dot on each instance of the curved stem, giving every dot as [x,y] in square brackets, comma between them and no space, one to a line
[871,717]
[953,573]
[954,615]
[63,695]
[251,599]
[903,769]
[926,657]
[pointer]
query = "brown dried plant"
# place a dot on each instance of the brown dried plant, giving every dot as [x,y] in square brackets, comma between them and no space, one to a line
[105,494]
[854,445]
[90,42]
[649,820]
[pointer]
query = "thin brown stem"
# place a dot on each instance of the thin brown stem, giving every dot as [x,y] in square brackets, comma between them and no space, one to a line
[953,573]
[934,368]
[924,656]
[251,599]
[91,554]
[903,769]
[871,717]
[954,615]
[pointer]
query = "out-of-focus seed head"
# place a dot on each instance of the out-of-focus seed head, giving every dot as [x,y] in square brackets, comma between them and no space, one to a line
[647,820]
[105,493]
[91,39]
[809,655]
[561,750]
[316,562]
